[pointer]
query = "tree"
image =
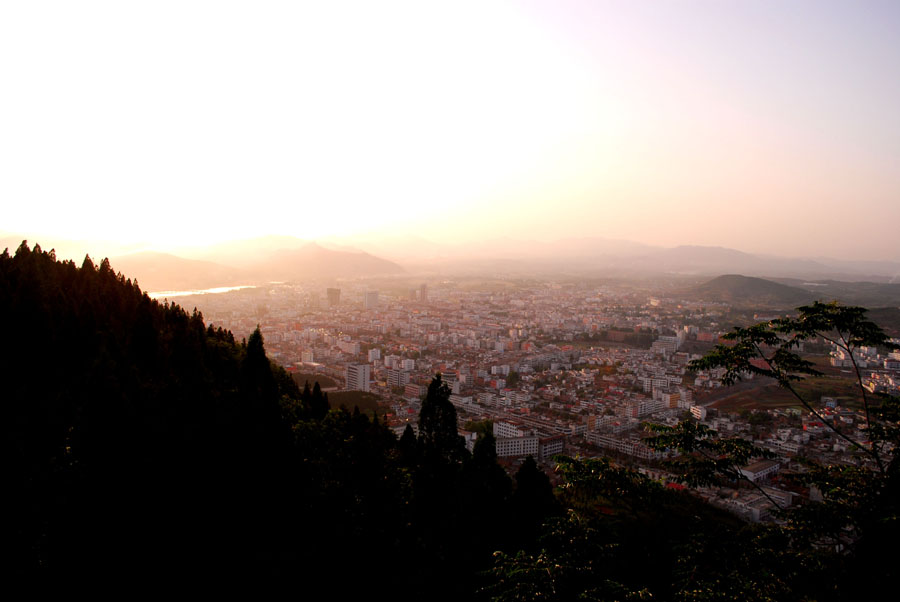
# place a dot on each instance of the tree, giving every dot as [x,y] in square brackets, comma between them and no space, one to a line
[532,500]
[842,547]
[854,528]
[407,446]
[438,432]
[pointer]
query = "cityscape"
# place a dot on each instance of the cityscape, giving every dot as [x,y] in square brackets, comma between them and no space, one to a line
[572,368]
[488,300]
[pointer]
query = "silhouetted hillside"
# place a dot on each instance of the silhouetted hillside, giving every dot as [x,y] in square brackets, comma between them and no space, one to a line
[135,440]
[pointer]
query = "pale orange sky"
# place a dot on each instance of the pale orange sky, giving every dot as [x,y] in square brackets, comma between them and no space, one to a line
[763,126]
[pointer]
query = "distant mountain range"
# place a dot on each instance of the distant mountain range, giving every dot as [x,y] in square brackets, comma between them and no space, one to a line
[608,257]
[250,262]
[165,272]
[288,258]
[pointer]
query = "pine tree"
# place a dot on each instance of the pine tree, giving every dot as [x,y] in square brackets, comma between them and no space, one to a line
[438,432]
[533,499]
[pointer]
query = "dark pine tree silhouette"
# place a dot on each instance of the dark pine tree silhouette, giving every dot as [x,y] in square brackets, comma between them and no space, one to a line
[439,436]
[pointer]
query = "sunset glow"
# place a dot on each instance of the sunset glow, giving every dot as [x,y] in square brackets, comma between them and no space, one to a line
[173,123]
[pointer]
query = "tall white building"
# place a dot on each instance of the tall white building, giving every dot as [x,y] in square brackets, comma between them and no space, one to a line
[398,378]
[357,376]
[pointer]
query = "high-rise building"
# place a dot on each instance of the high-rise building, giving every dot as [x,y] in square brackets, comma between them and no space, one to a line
[371,299]
[357,376]
[333,295]
[423,293]
[398,378]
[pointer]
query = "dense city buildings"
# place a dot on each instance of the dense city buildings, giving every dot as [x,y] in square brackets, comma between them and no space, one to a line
[557,368]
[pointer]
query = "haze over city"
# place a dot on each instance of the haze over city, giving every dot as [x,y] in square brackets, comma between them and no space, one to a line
[767,127]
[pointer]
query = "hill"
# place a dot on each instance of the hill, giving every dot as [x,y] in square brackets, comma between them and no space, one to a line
[165,272]
[251,262]
[130,431]
[312,261]
[749,291]
[887,318]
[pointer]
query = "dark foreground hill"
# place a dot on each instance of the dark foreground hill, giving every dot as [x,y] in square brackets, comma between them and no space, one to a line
[134,439]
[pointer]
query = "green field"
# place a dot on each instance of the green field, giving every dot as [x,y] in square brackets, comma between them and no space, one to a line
[326,382]
[366,402]
[771,396]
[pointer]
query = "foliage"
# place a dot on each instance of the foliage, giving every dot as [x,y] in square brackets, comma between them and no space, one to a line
[619,522]
[438,432]
[480,426]
[855,523]
[841,547]
[116,406]
[767,349]
[707,459]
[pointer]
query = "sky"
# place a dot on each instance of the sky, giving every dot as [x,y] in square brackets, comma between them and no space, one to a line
[765,126]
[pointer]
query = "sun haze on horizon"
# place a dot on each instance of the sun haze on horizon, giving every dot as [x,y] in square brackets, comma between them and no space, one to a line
[763,126]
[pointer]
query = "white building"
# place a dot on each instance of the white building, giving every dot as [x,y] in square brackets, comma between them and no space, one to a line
[397,378]
[349,347]
[760,470]
[508,429]
[517,446]
[357,376]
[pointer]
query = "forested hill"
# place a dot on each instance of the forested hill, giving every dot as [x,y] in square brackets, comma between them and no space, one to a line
[133,436]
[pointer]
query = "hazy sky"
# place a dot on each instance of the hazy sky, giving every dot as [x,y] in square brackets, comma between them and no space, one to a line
[763,126]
